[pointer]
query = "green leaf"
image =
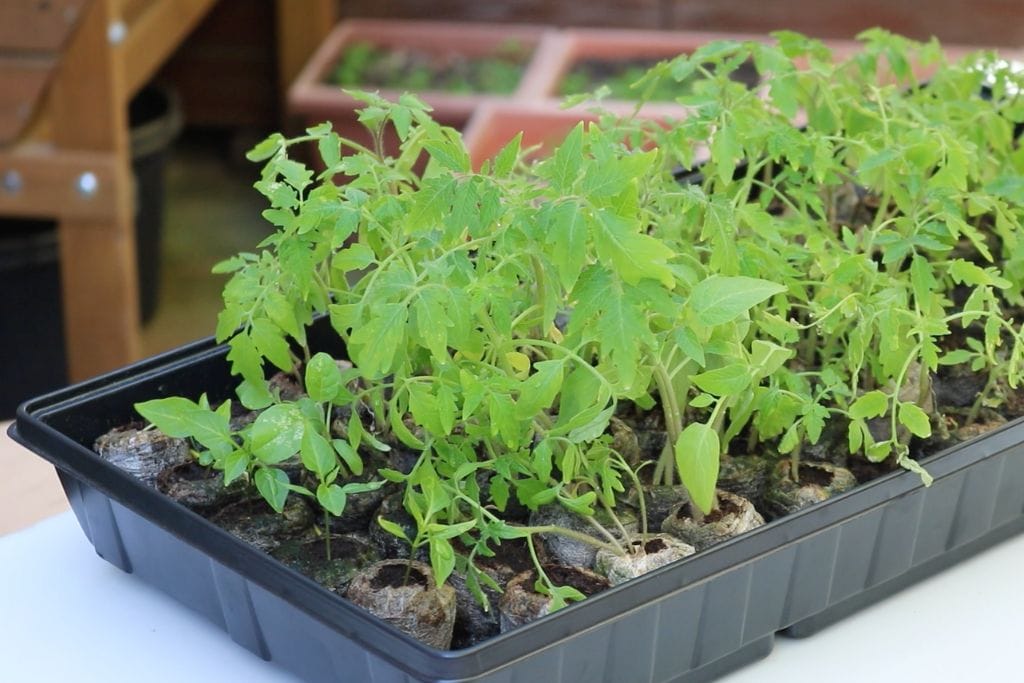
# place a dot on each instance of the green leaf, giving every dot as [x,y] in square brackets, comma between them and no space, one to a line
[282,313]
[317,454]
[323,378]
[563,167]
[276,435]
[871,404]
[392,528]
[270,342]
[633,255]
[349,455]
[767,357]
[331,498]
[500,492]
[505,160]
[504,423]
[442,559]
[956,357]
[726,151]
[425,409]
[697,453]
[235,465]
[432,203]
[594,428]
[538,392]
[686,339]
[375,343]
[432,322]
[355,257]
[718,300]
[265,149]
[725,381]
[566,229]
[254,396]
[181,418]
[245,359]
[702,400]
[273,485]
[916,420]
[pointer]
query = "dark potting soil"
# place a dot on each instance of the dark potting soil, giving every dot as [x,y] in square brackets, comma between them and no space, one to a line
[394,576]
[513,557]
[815,476]
[561,575]
[726,506]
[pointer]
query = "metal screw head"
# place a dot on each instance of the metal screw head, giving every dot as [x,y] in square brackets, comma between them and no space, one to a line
[87,184]
[11,182]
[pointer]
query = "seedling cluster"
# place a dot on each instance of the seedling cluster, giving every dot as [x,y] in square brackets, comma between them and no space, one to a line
[854,234]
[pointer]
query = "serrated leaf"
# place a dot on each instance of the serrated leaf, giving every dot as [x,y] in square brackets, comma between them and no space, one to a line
[915,419]
[499,492]
[766,357]
[718,299]
[245,359]
[697,452]
[270,342]
[431,203]
[566,235]
[956,357]
[442,559]
[563,166]
[432,323]
[354,257]
[538,392]
[632,255]
[592,429]
[872,404]
[375,343]
[726,151]
[424,409]
[505,160]
[181,418]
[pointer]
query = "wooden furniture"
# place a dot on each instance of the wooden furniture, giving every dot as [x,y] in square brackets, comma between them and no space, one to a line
[68,68]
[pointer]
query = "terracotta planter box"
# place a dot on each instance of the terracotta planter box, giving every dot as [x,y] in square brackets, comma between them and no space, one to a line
[578,46]
[314,98]
[543,124]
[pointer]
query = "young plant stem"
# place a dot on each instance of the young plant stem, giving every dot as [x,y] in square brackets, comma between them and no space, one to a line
[673,425]
[327,533]
[794,463]
[972,415]
[642,502]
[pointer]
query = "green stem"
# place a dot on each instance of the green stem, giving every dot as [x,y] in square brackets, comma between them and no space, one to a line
[673,424]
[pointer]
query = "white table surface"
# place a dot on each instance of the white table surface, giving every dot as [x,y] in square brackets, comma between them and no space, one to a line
[67,615]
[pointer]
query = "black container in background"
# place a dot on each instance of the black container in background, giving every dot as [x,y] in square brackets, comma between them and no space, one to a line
[155,119]
[32,354]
